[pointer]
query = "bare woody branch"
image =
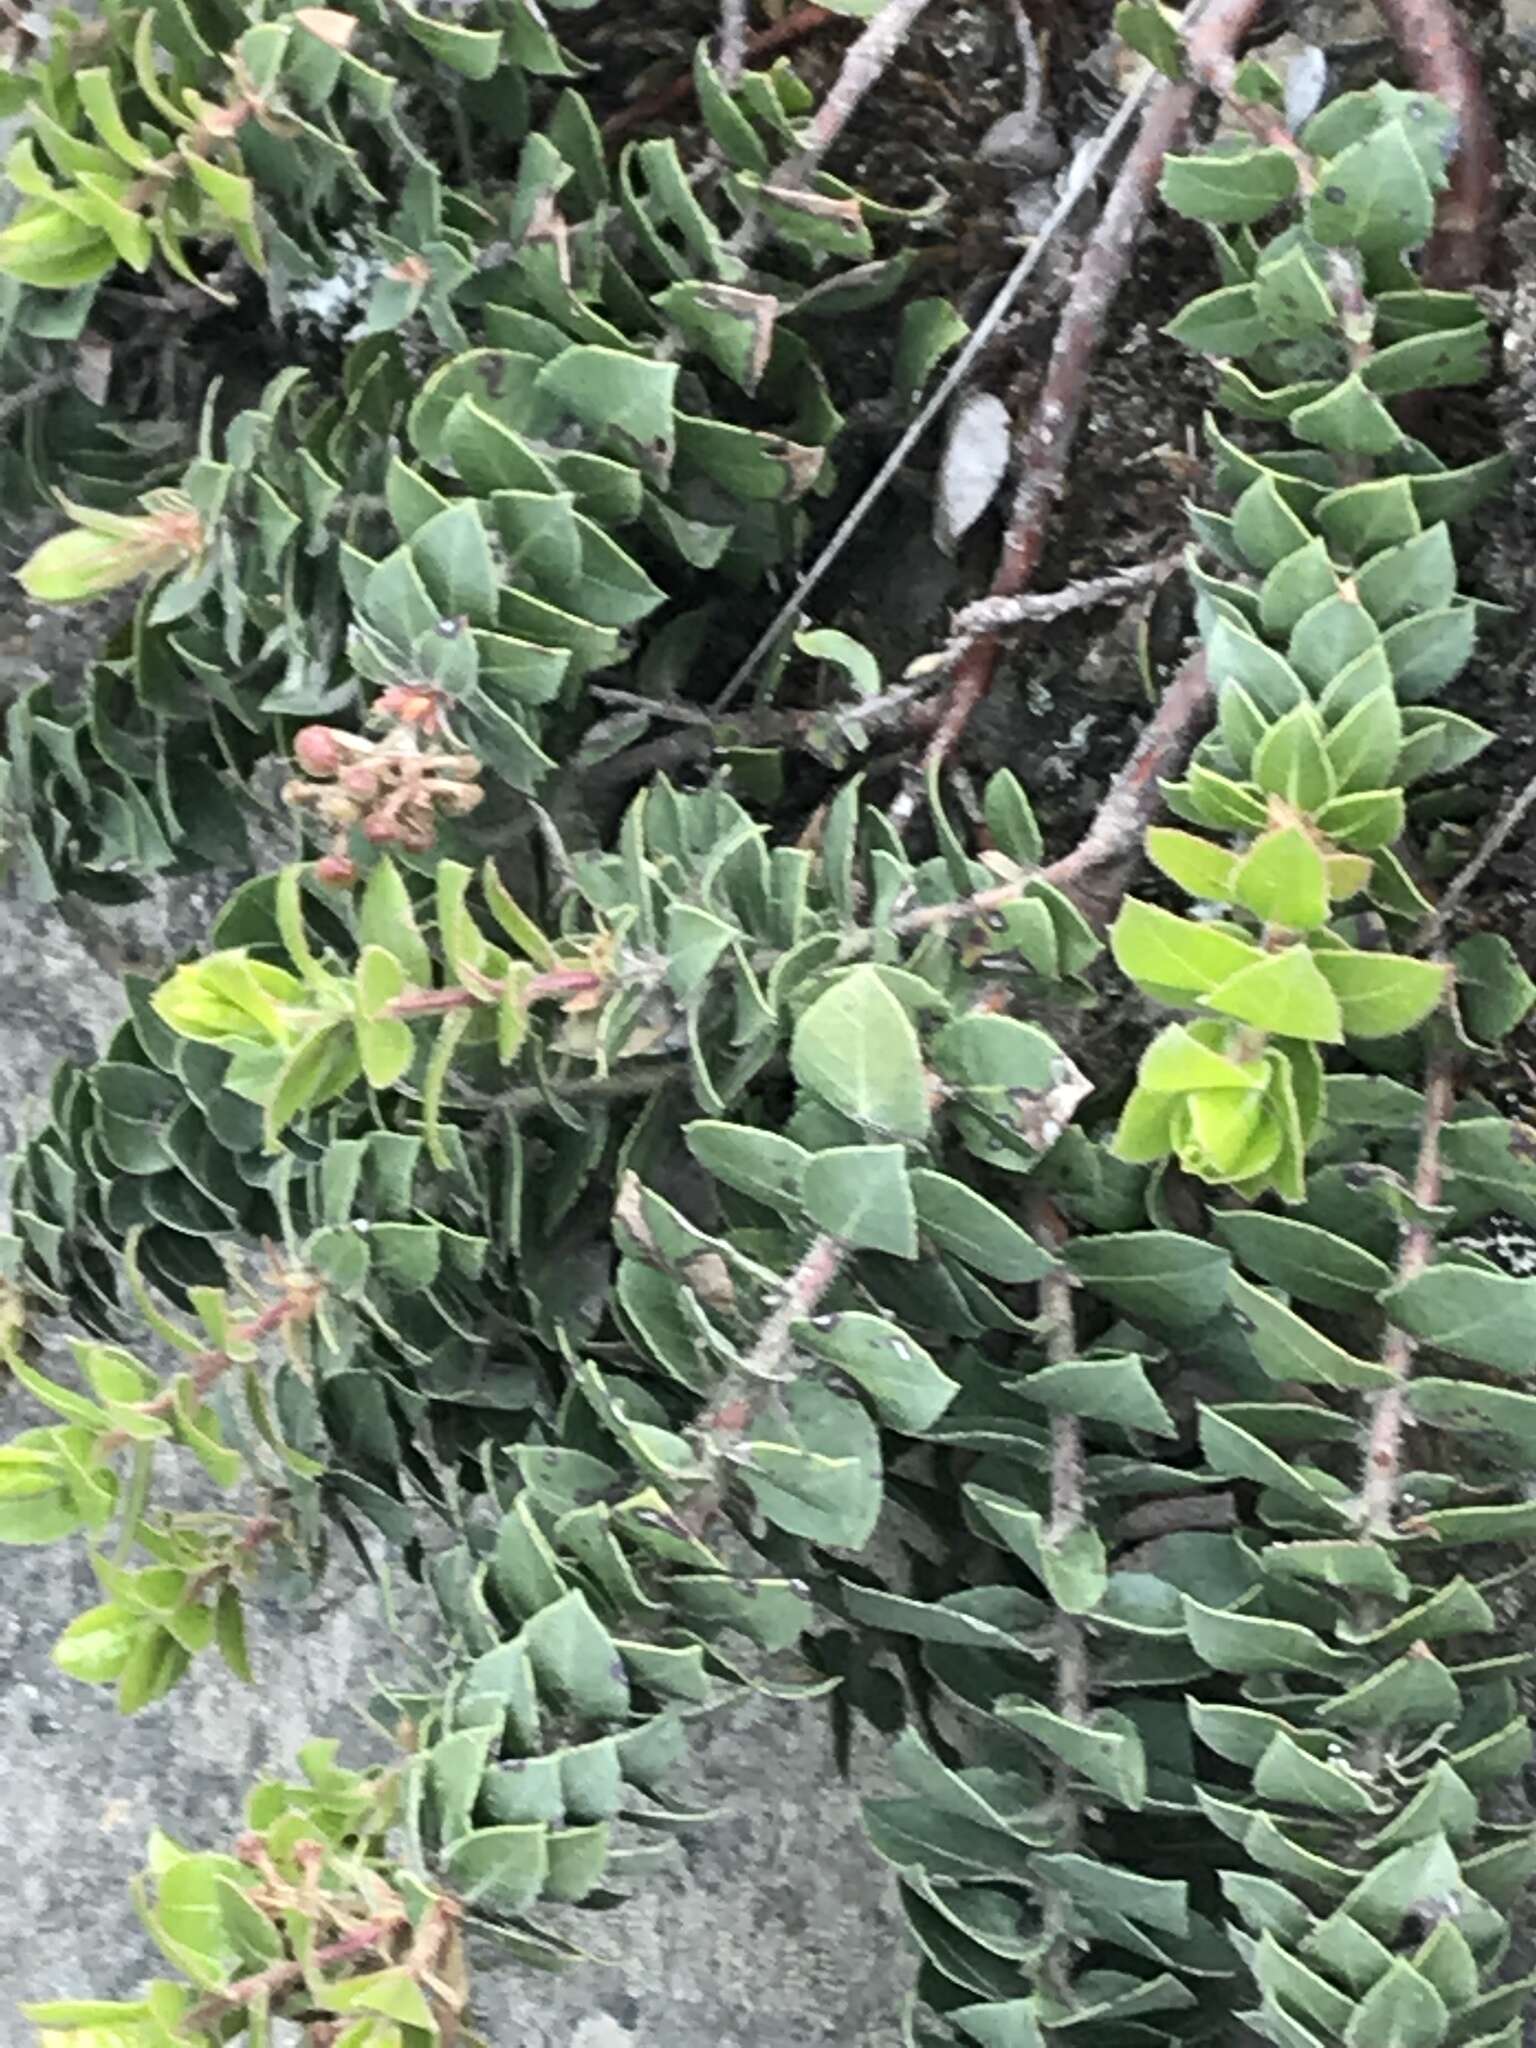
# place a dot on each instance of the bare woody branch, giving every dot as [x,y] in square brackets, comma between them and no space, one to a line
[863,67]
[1384,1442]
[1456,894]
[1440,59]
[1094,873]
[733,42]
[1059,408]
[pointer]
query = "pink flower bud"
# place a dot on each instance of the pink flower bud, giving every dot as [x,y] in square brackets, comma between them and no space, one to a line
[360,781]
[380,828]
[336,871]
[316,751]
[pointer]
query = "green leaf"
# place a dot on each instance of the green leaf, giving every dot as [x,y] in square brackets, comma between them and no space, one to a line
[696,939]
[1292,760]
[1183,1058]
[1292,297]
[855,1047]
[1106,1749]
[1010,818]
[1312,1264]
[1362,519]
[763,1164]
[1283,882]
[1265,527]
[1072,1566]
[1200,868]
[734,328]
[617,393]
[1367,819]
[1288,1347]
[1373,195]
[1364,746]
[1221,323]
[1157,1902]
[859,1194]
[1152,32]
[1166,952]
[848,654]
[931,329]
[1380,994]
[499,1870]
[820,1477]
[1487,1317]
[965,1223]
[1242,186]
[1247,1644]
[1113,1390]
[514,920]
[1493,991]
[97,1644]
[386,919]
[1463,1406]
[907,1388]
[1351,420]
[1156,1276]
[1401,2010]
[1282,992]
[1430,650]
[1301,578]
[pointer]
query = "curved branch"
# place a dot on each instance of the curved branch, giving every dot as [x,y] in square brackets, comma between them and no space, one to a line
[1440,59]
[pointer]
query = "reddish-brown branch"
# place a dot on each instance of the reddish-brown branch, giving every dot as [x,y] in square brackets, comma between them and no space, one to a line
[209,1367]
[435,1002]
[767,42]
[1440,60]
[279,1978]
[1059,408]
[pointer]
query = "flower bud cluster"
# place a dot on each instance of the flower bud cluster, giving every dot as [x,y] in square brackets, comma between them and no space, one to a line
[392,789]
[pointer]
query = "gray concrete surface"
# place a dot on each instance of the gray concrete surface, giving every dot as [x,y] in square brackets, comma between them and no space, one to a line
[778,1930]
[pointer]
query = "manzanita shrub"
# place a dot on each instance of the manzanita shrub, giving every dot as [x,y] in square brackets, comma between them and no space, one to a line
[689,1239]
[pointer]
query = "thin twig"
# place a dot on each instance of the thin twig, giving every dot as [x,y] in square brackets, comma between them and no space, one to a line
[767,42]
[279,1978]
[864,66]
[1084,170]
[1093,873]
[733,42]
[34,393]
[1068,1488]
[1441,60]
[1030,608]
[1034,70]
[1454,896]
[1384,1442]
[1058,411]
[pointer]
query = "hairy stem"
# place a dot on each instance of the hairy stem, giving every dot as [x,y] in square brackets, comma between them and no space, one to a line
[279,1978]
[733,42]
[746,1392]
[1384,1439]
[1456,893]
